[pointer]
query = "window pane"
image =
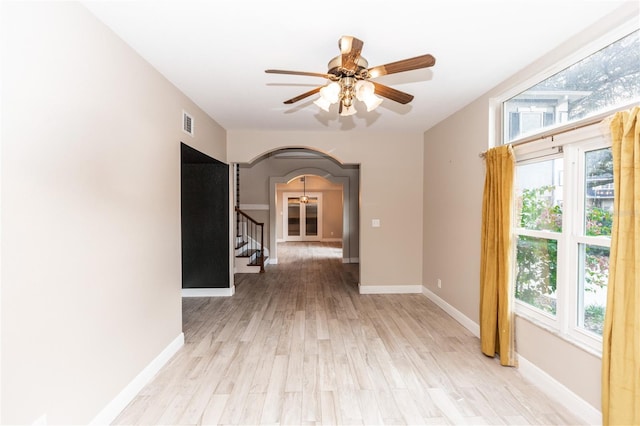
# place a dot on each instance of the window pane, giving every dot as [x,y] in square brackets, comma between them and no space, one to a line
[601,81]
[537,263]
[293,212]
[592,291]
[598,184]
[539,195]
[311,212]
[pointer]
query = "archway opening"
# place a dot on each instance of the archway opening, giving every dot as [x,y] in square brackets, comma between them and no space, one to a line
[263,182]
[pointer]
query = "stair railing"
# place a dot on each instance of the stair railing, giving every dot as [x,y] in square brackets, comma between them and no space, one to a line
[253,231]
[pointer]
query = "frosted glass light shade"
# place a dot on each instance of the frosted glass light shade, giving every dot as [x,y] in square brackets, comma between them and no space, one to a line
[347,111]
[365,92]
[322,103]
[331,92]
[364,89]
[372,102]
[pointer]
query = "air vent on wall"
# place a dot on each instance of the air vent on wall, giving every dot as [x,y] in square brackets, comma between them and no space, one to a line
[187,123]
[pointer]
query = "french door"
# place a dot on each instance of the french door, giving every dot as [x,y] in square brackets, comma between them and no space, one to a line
[302,221]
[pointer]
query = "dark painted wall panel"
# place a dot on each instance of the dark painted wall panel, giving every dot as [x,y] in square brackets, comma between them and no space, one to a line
[205,221]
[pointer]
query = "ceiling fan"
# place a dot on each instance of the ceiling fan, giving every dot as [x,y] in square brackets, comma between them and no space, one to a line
[349,77]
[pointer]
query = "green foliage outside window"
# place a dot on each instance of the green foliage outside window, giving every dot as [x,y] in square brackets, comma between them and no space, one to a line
[536,278]
[537,258]
[537,212]
[537,271]
[599,222]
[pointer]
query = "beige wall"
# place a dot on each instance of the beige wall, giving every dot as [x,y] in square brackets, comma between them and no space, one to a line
[90,212]
[332,214]
[453,182]
[390,190]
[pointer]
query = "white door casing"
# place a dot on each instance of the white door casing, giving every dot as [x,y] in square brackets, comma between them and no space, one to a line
[299,228]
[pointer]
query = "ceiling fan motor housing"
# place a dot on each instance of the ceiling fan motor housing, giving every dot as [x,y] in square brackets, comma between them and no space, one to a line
[335,68]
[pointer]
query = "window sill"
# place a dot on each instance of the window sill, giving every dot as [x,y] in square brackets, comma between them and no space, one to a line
[567,338]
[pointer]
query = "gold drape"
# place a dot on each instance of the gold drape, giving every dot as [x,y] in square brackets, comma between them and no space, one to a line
[621,334]
[496,318]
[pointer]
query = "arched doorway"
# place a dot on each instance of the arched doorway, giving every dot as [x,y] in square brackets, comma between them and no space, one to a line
[259,182]
[277,209]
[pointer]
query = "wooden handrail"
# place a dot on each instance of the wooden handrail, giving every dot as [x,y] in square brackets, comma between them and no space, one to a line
[256,225]
[252,220]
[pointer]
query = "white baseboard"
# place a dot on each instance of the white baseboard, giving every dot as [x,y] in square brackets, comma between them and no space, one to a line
[466,322]
[560,392]
[331,240]
[273,261]
[109,413]
[389,289]
[350,260]
[208,292]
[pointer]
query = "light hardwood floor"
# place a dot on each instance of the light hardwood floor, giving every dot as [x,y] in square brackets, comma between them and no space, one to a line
[300,345]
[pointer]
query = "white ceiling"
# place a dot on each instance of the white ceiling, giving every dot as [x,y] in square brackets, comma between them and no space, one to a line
[216,52]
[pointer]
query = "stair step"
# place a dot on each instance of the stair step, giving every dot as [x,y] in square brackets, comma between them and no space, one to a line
[248,253]
[241,244]
[257,262]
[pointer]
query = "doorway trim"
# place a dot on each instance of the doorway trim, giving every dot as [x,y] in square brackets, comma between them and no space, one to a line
[346,208]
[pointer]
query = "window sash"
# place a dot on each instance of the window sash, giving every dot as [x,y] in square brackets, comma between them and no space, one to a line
[565,323]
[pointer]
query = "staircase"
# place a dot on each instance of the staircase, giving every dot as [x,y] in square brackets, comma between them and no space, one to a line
[251,254]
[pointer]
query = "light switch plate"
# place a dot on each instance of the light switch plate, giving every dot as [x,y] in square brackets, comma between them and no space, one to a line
[375,223]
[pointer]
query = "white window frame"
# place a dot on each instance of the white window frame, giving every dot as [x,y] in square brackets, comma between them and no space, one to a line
[574,145]
[576,156]
[496,104]
[534,314]
[540,144]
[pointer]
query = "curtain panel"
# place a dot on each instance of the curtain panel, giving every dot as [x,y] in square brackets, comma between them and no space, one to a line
[496,317]
[621,334]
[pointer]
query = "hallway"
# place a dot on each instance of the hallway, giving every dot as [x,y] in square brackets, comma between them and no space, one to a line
[300,345]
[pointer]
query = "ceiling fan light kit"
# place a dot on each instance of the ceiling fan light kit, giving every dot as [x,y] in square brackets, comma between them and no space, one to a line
[304,198]
[349,79]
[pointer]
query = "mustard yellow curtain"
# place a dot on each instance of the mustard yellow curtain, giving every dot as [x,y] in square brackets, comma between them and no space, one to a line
[496,319]
[621,334]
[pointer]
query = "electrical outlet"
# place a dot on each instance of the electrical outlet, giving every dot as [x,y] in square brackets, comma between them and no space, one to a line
[439,283]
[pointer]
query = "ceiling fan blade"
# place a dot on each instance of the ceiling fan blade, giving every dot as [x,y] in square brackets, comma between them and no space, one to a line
[391,93]
[350,48]
[418,62]
[304,95]
[310,74]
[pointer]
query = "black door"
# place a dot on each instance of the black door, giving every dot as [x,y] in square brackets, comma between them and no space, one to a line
[205,220]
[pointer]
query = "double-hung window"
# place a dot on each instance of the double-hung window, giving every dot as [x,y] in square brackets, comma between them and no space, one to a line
[562,230]
[564,190]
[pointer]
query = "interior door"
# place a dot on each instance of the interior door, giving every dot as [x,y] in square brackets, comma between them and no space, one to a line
[302,221]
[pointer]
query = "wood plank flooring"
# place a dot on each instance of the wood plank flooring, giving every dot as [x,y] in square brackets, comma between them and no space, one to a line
[299,345]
